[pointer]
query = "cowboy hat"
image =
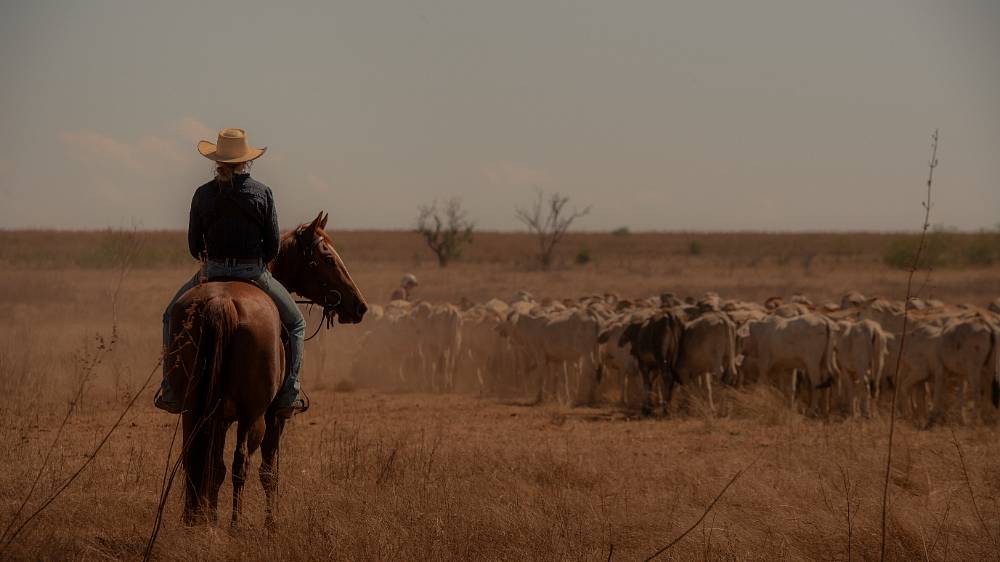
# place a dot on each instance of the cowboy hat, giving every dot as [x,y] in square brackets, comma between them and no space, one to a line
[232,148]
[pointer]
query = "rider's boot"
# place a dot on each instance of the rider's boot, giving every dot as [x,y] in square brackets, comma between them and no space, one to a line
[291,400]
[165,399]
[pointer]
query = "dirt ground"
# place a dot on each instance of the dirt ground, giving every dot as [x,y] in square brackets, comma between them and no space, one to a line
[373,475]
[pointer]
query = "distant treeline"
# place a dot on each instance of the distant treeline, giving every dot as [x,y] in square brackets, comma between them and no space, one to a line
[105,249]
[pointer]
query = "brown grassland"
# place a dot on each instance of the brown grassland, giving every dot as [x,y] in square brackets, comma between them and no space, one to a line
[376,475]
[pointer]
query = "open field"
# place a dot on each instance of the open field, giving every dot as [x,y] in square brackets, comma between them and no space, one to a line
[376,475]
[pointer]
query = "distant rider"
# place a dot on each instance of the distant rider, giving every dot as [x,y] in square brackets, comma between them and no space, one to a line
[406,286]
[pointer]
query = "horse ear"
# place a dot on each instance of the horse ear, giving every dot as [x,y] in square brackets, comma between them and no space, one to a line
[315,224]
[322,223]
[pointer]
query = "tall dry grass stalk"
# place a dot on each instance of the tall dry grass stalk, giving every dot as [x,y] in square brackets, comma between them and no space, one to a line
[707,510]
[931,165]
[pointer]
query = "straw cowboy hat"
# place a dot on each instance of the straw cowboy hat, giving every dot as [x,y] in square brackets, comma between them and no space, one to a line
[232,148]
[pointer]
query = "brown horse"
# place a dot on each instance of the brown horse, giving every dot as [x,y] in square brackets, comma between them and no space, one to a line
[227,361]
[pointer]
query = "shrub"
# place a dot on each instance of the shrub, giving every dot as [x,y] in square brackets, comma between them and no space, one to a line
[981,251]
[583,256]
[899,253]
[694,248]
[621,231]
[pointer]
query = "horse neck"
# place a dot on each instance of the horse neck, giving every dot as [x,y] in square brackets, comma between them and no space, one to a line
[285,266]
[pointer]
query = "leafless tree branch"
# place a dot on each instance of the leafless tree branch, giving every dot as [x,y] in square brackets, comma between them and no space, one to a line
[549,220]
[445,230]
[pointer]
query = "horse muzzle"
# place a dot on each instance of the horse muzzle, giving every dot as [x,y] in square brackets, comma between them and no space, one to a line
[352,314]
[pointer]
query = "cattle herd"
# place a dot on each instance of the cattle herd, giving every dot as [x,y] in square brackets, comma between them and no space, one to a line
[836,358]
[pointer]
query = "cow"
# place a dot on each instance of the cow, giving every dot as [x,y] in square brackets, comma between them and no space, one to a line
[964,351]
[617,366]
[655,344]
[852,299]
[707,351]
[480,359]
[861,348]
[439,343]
[776,347]
[563,344]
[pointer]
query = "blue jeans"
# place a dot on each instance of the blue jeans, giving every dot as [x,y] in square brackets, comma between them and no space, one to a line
[288,311]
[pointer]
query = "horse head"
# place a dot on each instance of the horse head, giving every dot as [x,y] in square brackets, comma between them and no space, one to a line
[308,264]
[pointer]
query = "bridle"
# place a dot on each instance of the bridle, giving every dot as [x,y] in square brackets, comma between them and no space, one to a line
[331,298]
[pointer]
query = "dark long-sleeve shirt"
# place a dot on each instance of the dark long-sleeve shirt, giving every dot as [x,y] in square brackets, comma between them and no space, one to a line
[237,221]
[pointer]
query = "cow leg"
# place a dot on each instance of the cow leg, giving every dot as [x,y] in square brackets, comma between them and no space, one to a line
[919,393]
[938,400]
[708,390]
[794,389]
[820,382]
[647,392]
[623,386]
[971,393]
[567,367]
[862,397]
[540,367]
[904,391]
[668,381]
[269,466]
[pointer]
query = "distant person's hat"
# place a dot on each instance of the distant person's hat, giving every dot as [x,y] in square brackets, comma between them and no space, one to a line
[409,280]
[232,148]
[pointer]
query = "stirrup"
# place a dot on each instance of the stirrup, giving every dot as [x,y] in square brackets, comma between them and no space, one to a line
[299,406]
[169,407]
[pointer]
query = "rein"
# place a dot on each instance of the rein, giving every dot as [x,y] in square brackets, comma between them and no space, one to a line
[328,316]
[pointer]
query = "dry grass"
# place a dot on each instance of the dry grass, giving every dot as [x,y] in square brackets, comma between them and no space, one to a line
[369,475]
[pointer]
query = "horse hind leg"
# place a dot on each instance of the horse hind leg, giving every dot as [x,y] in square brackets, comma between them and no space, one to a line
[216,473]
[205,470]
[269,467]
[248,439]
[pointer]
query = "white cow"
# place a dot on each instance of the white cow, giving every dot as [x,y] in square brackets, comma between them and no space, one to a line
[776,347]
[862,347]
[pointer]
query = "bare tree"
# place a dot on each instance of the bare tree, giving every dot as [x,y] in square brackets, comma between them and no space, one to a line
[445,229]
[549,220]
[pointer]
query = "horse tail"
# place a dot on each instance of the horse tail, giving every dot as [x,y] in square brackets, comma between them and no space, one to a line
[219,321]
[203,457]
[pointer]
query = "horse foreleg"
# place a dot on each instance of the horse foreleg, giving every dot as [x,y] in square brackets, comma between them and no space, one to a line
[269,467]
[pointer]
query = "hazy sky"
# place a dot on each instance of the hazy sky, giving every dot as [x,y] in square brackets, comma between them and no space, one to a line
[668,115]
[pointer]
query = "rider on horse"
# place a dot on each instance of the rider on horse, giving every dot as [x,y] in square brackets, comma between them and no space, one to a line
[233,231]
